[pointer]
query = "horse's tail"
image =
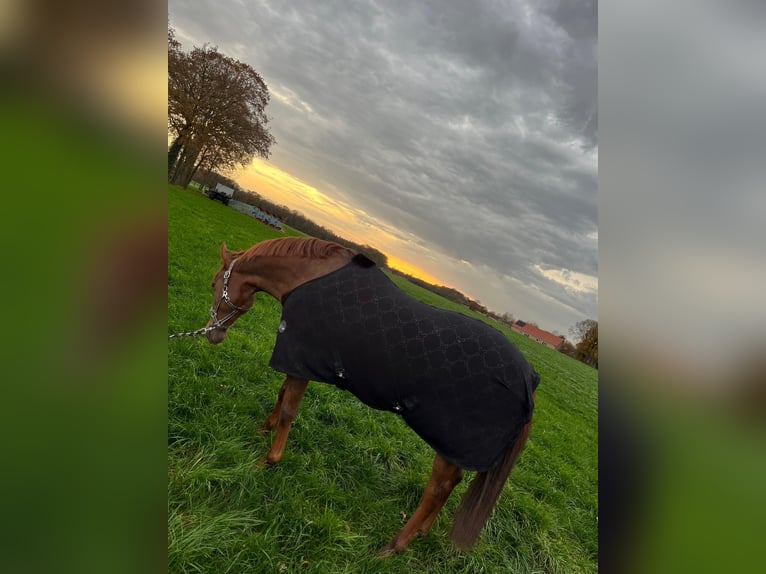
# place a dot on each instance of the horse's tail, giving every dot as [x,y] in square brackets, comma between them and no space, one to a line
[482,495]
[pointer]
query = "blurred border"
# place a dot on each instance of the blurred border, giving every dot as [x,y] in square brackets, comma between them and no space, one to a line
[682,273]
[83,110]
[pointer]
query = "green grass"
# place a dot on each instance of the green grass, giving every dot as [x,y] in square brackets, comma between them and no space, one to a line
[348,471]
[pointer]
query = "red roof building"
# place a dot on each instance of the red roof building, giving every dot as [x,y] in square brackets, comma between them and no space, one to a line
[544,337]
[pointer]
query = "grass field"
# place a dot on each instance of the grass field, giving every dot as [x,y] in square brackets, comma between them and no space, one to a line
[349,472]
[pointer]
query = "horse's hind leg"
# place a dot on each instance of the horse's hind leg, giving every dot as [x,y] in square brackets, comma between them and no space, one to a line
[428,521]
[288,403]
[444,477]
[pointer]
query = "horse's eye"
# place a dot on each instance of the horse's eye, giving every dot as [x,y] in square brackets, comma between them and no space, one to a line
[212,286]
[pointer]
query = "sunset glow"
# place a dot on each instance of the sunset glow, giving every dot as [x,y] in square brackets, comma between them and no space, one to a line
[409,269]
[350,223]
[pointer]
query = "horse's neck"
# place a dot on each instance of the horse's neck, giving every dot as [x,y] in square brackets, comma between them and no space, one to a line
[278,276]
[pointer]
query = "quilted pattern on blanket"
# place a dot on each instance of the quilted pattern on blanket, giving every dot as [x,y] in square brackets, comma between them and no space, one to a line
[460,384]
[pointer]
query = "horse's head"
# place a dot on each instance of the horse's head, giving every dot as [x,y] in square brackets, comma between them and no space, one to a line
[232,296]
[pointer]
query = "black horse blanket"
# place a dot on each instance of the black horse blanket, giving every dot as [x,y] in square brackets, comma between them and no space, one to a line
[457,382]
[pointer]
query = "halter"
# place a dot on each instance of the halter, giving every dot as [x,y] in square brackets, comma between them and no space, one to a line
[218,323]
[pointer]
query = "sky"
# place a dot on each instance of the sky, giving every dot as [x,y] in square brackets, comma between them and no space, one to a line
[459,138]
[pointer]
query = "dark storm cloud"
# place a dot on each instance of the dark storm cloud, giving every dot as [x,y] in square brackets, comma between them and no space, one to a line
[470,125]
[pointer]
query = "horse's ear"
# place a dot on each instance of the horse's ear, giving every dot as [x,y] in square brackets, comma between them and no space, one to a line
[225,254]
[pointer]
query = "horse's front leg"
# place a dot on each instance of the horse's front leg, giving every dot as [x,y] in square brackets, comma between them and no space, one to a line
[283,415]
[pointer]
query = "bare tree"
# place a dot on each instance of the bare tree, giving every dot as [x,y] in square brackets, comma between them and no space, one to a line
[216,112]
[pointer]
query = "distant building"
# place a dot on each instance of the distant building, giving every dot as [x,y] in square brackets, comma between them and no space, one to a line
[539,335]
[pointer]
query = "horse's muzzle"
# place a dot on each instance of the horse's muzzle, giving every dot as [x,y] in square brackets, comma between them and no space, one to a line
[216,336]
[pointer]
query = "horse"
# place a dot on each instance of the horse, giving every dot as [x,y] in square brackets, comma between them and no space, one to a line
[460,384]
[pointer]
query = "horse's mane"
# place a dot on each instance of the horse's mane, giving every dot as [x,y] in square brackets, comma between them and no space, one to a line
[295,247]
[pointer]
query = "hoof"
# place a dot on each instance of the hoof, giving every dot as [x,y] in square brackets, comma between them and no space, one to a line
[389,550]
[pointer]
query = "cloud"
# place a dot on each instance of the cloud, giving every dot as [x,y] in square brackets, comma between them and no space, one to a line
[576,282]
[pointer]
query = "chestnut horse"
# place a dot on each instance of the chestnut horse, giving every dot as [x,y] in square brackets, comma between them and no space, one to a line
[289,269]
